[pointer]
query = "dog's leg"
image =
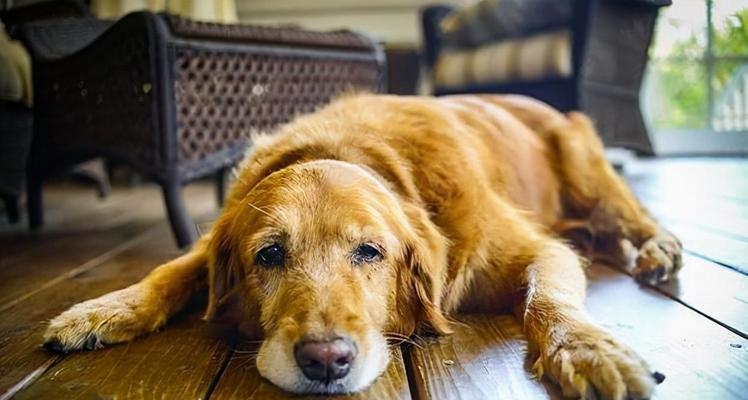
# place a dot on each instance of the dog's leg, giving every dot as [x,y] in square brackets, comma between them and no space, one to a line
[122,315]
[584,359]
[591,185]
[580,356]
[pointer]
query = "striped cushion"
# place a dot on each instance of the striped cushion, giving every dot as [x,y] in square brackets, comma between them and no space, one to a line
[536,57]
[493,20]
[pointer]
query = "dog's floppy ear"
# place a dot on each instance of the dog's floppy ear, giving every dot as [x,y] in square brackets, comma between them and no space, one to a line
[224,269]
[425,258]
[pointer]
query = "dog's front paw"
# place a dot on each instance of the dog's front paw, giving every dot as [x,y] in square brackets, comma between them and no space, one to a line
[659,259]
[115,317]
[590,364]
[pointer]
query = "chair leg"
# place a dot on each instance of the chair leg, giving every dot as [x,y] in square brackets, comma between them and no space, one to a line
[11,208]
[182,225]
[94,171]
[222,177]
[34,200]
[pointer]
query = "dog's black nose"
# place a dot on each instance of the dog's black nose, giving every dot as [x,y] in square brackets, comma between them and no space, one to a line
[325,360]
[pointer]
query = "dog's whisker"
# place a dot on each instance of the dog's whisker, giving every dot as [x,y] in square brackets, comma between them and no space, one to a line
[255,352]
[399,338]
[252,341]
[389,333]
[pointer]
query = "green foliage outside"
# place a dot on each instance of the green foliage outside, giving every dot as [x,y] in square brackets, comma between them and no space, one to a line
[682,73]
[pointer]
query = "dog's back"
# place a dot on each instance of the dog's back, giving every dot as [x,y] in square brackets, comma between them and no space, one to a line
[447,152]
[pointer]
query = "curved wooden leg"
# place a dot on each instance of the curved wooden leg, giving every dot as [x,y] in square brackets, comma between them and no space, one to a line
[182,225]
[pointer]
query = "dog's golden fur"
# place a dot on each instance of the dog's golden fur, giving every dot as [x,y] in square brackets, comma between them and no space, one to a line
[464,197]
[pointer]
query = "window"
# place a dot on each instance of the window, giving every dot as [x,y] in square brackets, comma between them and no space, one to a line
[695,95]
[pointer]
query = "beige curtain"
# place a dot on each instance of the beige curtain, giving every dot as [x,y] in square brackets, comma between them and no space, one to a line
[204,10]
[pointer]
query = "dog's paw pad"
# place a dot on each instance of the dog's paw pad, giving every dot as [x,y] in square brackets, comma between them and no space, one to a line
[592,364]
[659,259]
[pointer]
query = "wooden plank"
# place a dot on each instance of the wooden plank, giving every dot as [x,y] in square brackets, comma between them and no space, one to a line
[725,178]
[487,358]
[700,359]
[22,326]
[72,207]
[57,255]
[484,358]
[241,380]
[96,231]
[716,215]
[179,362]
[713,290]
[719,248]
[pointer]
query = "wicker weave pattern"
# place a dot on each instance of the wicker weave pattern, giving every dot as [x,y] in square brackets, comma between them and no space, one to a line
[177,101]
[104,98]
[109,106]
[223,96]
[265,34]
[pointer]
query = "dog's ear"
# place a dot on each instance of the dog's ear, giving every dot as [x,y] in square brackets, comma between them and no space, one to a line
[425,259]
[224,269]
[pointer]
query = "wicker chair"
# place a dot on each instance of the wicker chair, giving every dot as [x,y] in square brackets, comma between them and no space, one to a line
[609,46]
[175,98]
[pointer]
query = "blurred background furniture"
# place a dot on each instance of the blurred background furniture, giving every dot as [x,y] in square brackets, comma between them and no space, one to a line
[175,98]
[584,55]
[403,69]
[15,121]
[15,140]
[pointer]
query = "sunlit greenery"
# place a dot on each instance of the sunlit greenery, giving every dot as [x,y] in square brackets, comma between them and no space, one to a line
[681,74]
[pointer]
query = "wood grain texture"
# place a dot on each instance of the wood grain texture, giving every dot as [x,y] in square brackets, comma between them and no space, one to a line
[703,202]
[725,250]
[240,380]
[720,178]
[487,358]
[484,359]
[713,290]
[700,359]
[716,215]
[22,326]
[81,229]
[180,362]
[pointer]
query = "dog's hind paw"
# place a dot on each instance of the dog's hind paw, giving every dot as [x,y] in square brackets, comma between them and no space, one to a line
[659,259]
[590,364]
[115,317]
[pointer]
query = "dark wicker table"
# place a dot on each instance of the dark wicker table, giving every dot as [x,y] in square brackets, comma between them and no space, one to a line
[174,98]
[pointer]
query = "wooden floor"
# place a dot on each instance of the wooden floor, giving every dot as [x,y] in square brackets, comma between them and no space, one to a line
[693,330]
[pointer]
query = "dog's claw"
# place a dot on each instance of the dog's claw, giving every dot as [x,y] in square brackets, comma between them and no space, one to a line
[55,346]
[659,377]
[91,343]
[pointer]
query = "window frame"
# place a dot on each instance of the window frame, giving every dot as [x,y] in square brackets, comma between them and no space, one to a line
[677,141]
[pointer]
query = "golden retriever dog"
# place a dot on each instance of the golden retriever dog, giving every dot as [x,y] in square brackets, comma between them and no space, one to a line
[379,216]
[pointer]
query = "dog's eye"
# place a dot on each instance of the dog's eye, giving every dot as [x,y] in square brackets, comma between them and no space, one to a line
[271,256]
[366,253]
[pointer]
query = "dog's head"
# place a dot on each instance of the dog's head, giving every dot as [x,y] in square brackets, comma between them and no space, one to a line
[326,265]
